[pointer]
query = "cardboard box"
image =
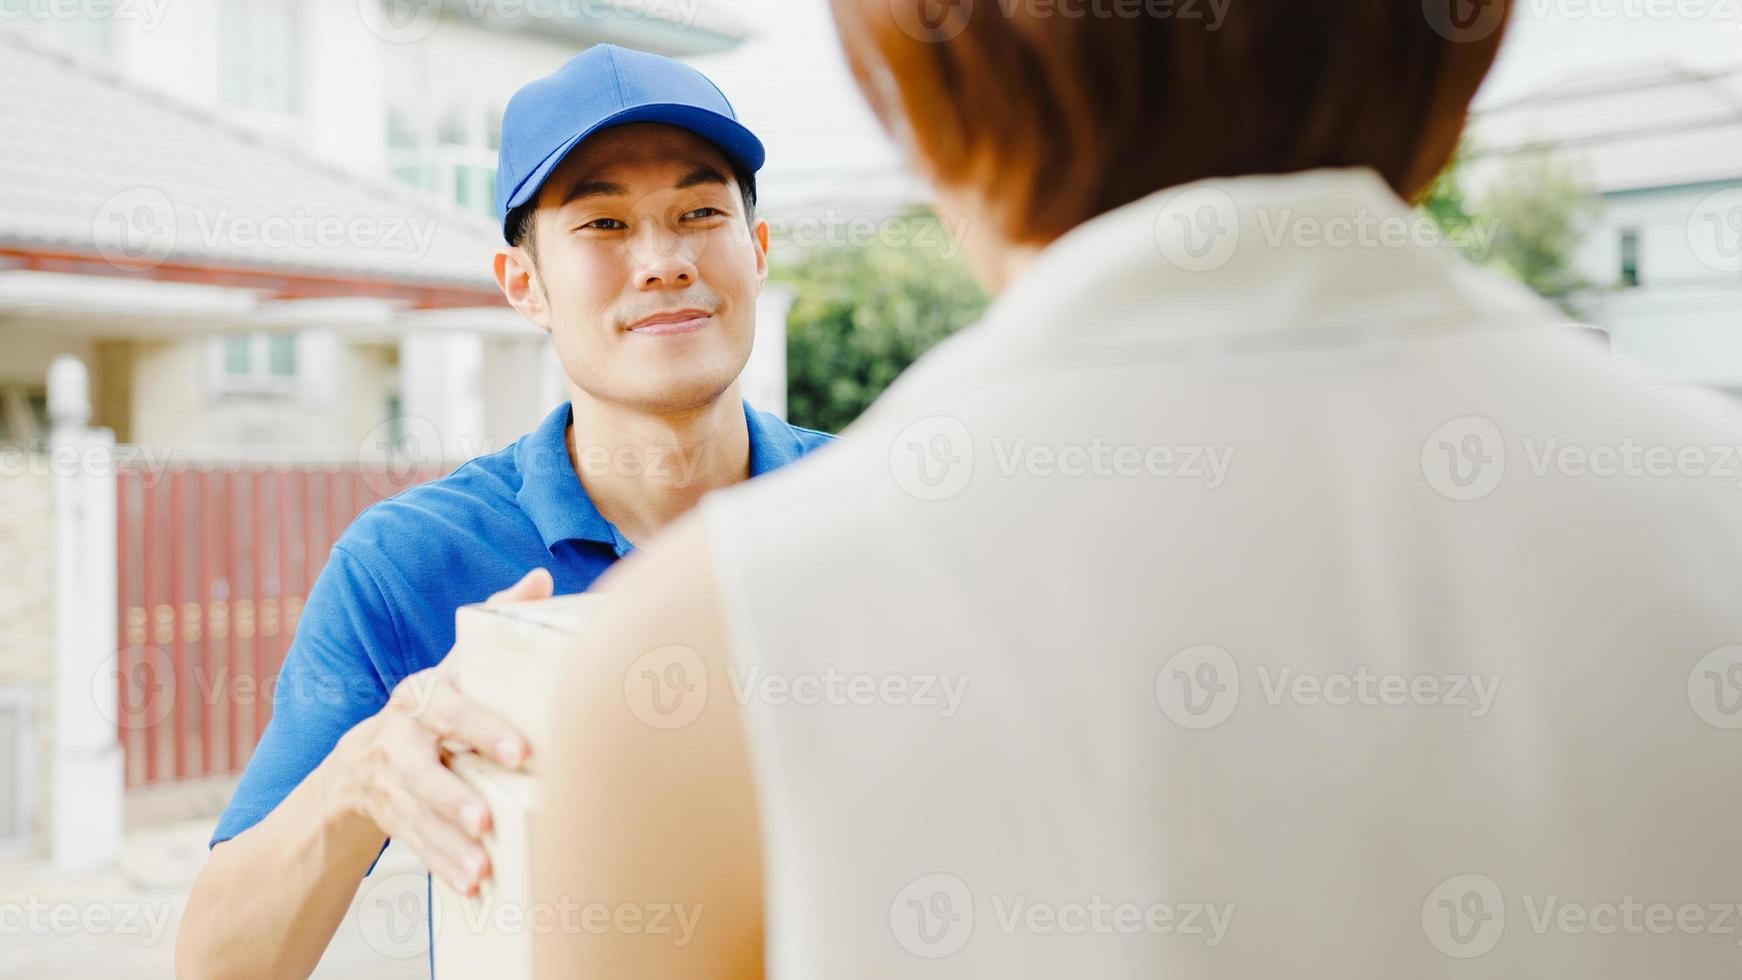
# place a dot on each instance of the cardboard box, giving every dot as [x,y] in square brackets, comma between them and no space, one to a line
[508,658]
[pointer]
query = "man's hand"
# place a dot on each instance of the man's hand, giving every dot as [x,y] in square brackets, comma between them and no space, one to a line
[390,772]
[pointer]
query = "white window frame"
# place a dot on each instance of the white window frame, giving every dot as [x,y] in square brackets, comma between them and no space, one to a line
[259,380]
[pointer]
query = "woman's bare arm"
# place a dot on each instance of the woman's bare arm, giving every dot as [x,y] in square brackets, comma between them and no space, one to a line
[648,786]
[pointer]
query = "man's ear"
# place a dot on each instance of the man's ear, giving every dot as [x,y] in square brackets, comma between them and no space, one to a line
[760,233]
[517,276]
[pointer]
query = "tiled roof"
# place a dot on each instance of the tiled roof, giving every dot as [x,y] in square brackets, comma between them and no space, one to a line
[91,165]
[1655,125]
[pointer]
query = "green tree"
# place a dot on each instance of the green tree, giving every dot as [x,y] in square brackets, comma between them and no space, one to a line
[863,313]
[1527,222]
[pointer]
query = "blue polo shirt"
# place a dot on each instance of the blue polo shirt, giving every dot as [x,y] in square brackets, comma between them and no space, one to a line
[383,607]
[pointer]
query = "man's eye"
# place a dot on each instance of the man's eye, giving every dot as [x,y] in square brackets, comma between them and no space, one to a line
[700,213]
[605,224]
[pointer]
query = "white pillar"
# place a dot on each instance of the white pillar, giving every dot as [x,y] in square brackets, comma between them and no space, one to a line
[440,381]
[764,381]
[87,770]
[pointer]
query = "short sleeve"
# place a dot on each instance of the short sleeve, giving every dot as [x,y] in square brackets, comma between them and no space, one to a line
[339,671]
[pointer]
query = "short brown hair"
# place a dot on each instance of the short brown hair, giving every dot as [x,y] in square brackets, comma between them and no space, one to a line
[1054,119]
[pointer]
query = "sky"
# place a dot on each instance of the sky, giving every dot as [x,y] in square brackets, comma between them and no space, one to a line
[791,85]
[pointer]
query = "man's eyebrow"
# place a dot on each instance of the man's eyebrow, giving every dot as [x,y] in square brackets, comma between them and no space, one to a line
[703,174]
[591,188]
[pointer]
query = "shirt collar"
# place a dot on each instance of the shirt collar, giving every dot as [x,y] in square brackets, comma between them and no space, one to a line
[553,497]
[1237,257]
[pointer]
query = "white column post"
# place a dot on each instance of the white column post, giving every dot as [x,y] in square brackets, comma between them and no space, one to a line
[764,380]
[87,770]
[440,375]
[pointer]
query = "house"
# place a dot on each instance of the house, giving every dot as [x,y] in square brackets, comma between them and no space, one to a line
[1661,147]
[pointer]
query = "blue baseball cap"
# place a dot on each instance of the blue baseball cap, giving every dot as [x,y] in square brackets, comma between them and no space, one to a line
[601,87]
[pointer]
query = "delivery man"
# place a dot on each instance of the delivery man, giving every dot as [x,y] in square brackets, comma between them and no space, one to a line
[626,190]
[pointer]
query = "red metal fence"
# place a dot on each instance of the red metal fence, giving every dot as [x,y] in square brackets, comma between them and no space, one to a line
[214,563]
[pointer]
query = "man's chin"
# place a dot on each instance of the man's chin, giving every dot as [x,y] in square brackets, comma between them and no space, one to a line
[684,392]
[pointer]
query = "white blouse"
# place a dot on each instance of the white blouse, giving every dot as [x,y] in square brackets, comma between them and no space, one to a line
[1260,590]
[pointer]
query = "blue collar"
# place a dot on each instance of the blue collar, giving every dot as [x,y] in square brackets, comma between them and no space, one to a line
[551,493]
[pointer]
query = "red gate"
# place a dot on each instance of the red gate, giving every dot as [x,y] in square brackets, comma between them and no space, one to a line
[213,563]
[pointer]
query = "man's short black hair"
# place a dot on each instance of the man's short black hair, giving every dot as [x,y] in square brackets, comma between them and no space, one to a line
[520,219]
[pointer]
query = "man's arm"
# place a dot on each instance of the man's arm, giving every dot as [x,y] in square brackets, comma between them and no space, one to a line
[269,900]
[660,822]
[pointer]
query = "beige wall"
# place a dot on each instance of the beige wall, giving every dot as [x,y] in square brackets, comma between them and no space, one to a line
[27,347]
[340,396]
[26,604]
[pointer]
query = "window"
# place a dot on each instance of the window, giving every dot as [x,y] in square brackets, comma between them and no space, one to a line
[256,363]
[450,152]
[1630,257]
[260,55]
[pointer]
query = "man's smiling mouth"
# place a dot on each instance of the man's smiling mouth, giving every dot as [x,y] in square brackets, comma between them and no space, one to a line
[672,323]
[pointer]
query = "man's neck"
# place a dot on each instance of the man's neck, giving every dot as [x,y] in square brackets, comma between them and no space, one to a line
[642,470]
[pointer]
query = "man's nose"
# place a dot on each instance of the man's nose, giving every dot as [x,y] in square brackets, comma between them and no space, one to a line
[663,259]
